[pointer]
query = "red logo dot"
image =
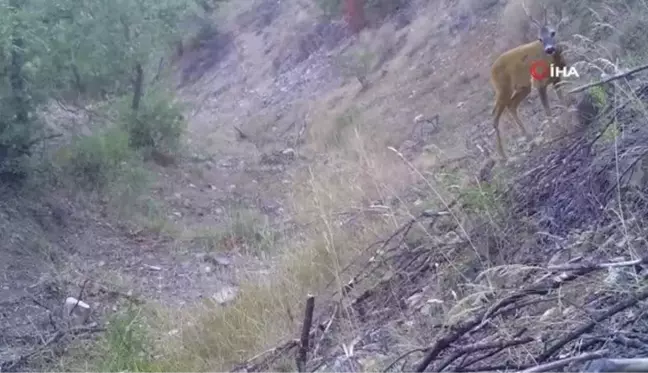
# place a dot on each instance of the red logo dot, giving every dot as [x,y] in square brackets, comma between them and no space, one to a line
[539,70]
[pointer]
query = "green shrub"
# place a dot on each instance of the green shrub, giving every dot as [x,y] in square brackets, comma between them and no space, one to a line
[157,125]
[98,159]
[125,345]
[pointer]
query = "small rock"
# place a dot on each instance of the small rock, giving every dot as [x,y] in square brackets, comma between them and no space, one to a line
[414,300]
[225,295]
[153,268]
[288,151]
[550,313]
[173,332]
[569,311]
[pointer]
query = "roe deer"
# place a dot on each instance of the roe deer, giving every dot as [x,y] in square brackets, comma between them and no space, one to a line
[511,75]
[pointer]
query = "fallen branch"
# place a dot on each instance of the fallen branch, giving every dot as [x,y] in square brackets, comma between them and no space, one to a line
[480,347]
[478,319]
[612,78]
[555,365]
[496,368]
[477,359]
[250,365]
[324,327]
[403,356]
[585,328]
[10,365]
[594,266]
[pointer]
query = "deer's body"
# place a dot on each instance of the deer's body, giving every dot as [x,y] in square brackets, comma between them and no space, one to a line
[511,78]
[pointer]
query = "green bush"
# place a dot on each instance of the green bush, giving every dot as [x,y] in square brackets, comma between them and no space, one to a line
[125,345]
[98,159]
[157,125]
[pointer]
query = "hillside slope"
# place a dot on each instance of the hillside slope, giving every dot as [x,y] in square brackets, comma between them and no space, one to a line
[292,170]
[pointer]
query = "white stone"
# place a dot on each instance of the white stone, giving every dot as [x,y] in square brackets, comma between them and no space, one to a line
[77,311]
[226,295]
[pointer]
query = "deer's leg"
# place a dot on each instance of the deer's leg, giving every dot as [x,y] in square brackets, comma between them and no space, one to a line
[499,109]
[542,91]
[517,98]
[559,93]
[558,89]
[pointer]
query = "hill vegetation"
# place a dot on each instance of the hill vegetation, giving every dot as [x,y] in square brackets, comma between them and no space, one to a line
[203,173]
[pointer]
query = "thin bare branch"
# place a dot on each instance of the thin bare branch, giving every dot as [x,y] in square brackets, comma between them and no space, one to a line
[573,267]
[499,345]
[610,79]
[555,365]
[639,296]
[6,366]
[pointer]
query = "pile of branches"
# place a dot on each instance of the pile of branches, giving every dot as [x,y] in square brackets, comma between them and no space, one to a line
[521,327]
[574,184]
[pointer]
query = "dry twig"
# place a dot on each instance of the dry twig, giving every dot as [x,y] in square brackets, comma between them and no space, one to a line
[612,78]
[555,365]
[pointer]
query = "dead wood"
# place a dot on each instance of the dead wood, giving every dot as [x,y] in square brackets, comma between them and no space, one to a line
[610,79]
[305,334]
[15,364]
[553,366]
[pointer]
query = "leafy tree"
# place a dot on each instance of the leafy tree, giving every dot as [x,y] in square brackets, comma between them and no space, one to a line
[87,48]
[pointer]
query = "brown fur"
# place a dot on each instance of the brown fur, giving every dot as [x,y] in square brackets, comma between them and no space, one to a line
[511,78]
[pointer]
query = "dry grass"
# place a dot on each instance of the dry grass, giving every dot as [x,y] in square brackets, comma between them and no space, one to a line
[354,192]
[332,202]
